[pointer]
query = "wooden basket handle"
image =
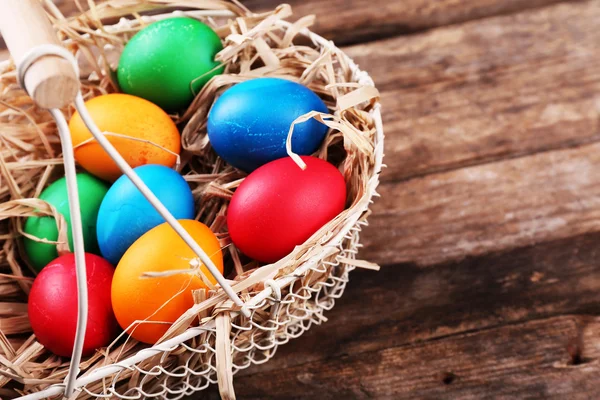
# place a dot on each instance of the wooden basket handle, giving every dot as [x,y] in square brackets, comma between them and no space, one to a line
[51,81]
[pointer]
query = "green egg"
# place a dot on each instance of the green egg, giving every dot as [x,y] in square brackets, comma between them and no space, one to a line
[169,61]
[91,193]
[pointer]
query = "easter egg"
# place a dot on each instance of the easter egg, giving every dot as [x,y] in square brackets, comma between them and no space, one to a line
[91,193]
[159,301]
[279,206]
[169,61]
[249,124]
[125,214]
[52,305]
[141,126]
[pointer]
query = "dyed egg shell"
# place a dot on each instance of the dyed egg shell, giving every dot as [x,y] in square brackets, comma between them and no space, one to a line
[52,305]
[130,116]
[160,300]
[279,206]
[125,214]
[249,124]
[169,61]
[91,193]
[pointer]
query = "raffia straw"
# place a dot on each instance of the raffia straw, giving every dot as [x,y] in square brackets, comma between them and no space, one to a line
[224,362]
[256,45]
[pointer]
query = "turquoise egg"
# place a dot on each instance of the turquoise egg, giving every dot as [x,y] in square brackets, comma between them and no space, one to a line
[125,214]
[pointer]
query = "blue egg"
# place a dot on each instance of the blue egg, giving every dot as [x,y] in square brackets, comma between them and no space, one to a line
[125,214]
[249,124]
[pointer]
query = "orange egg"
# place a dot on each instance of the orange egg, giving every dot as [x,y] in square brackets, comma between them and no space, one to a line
[159,301]
[130,116]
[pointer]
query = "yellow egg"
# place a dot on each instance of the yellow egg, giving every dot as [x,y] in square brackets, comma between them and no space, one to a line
[159,301]
[130,116]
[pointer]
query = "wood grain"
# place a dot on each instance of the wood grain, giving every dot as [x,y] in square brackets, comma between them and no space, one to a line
[530,360]
[488,90]
[358,21]
[486,208]
[354,21]
[414,304]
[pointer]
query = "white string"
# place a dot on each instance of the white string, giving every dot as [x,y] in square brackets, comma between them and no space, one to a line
[156,203]
[73,194]
[276,290]
[38,52]
[77,231]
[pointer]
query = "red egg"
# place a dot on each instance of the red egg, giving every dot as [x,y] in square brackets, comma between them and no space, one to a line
[279,206]
[53,305]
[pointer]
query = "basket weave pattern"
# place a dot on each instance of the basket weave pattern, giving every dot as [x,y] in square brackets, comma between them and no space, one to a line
[286,298]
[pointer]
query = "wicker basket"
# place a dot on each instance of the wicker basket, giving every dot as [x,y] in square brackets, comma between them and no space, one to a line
[285,298]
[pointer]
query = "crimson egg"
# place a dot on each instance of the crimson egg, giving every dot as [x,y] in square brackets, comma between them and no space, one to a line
[279,206]
[52,305]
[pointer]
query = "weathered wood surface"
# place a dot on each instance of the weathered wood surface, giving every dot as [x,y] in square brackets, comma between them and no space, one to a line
[411,310]
[488,228]
[521,198]
[404,304]
[527,360]
[487,90]
[491,129]
[352,21]
[490,207]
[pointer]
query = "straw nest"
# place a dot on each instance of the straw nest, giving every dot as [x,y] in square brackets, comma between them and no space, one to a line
[255,45]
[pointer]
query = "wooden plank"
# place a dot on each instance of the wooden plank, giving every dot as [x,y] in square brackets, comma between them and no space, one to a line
[486,208]
[530,360]
[404,304]
[355,21]
[488,90]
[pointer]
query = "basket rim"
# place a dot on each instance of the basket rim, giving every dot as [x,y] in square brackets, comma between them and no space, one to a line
[358,76]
